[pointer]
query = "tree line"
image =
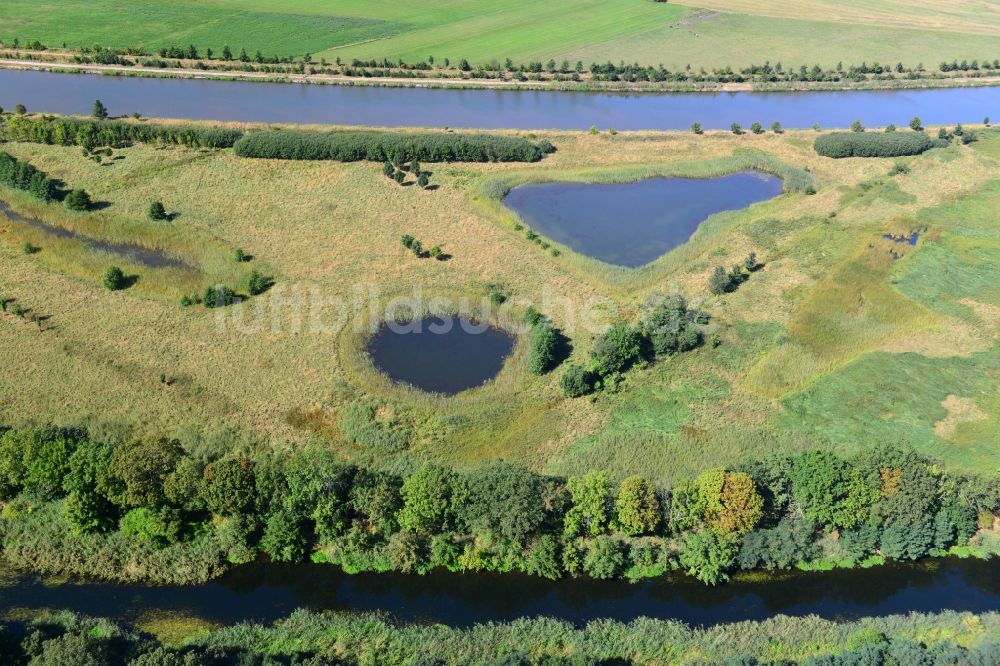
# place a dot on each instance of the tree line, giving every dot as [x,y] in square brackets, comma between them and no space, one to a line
[148,509]
[495,68]
[22,175]
[313,639]
[112,133]
[393,147]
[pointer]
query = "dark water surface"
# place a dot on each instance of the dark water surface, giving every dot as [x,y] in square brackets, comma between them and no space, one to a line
[138,254]
[631,224]
[440,355]
[488,109]
[267,592]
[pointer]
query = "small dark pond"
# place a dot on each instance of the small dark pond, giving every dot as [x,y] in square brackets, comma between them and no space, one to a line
[631,224]
[137,254]
[267,592]
[903,238]
[440,354]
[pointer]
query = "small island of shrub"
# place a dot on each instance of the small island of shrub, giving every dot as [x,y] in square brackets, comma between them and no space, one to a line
[394,148]
[870,144]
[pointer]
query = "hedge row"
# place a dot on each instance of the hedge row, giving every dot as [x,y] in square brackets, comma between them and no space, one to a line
[871,144]
[21,175]
[386,146]
[116,133]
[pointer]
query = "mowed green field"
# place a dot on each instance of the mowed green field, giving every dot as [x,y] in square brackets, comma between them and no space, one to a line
[836,343]
[710,34]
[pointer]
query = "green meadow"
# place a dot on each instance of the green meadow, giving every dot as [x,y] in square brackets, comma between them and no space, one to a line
[714,33]
[843,339]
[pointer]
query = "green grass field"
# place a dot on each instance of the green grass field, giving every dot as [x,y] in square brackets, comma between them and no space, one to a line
[833,344]
[711,33]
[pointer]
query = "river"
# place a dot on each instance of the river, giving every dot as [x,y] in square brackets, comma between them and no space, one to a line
[267,592]
[487,109]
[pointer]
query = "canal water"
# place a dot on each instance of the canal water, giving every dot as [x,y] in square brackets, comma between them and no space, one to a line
[487,109]
[267,592]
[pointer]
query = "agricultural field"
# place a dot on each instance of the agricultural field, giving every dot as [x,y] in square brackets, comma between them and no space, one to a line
[843,339]
[711,33]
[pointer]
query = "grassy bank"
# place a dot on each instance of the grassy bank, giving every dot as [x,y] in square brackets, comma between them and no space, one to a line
[369,639]
[795,363]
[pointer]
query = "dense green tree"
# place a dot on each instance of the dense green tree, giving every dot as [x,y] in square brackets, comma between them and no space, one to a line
[616,349]
[78,200]
[157,212]
[229,486]
[779,547]
[375,499]
[162,526]
[431,496]
[669,327]
[46,453]
[708,555]
[829,490]
[138,471]
[98,111]
[86,650]
[577,381]
[544,347]
[88,508]
[503,499]
[637,507]
[285,537]
[406,551]
[719,282]
[543,558]
[742,506]
[605,558]
[114,278]
[590,511]
[856,126]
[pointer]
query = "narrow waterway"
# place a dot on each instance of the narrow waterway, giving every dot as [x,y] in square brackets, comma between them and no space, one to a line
[487,109]
[267,592]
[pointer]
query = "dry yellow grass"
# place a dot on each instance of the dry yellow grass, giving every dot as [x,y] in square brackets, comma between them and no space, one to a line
[333,229]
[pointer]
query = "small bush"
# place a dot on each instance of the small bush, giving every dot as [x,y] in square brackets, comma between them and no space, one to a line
[257,283]
[114,279]
[78,200]
[218,296]
[577,381]
[157,212]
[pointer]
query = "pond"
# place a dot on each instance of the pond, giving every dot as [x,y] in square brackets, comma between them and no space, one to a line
[267,592]
[631,224]
[440,354]
[136,254]
[486,109]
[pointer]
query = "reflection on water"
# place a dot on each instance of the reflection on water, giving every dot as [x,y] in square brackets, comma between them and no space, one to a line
[525,109]
[440,355]
[266,592]
[137,254]
[631,224]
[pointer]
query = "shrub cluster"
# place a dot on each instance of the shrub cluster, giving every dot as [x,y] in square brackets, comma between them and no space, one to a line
[395,148]
[669,327]
[115,133]
[21,175]
[871,144]
[349,639]
[78,505]
[547,343]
